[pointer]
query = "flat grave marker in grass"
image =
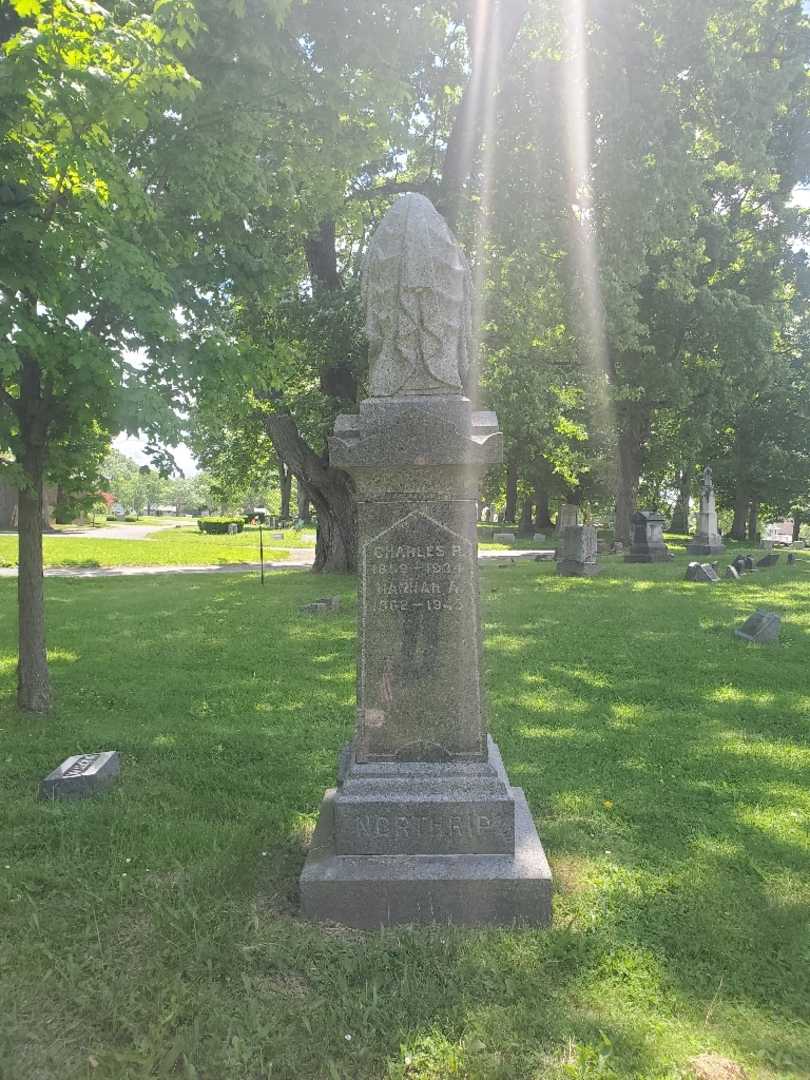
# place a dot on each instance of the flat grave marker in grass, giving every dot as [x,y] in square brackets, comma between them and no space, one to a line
[81,776]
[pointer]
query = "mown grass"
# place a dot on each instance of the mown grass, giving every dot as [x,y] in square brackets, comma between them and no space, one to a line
[181,546]
[155,931]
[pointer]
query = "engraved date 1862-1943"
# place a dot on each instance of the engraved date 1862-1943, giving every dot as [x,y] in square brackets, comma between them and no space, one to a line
[415,577]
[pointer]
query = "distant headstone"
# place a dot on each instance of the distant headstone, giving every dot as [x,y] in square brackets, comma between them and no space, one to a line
[576,553]
[602,547]
[277,536]
[791,558]
[766,545]
[762,628]
[618,547]
[233,529]
[424,825]
[748,562]
[538,538]
[319,607]
[799,544]
[732,573]
[82,775]
[768,560]
[648,541]
[706,540]
[503,538]
[696,571]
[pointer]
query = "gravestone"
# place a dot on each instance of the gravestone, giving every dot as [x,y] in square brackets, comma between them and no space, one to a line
[706,540]
[81,776]
[732,573]
[577,552]
[791,558]
[762,628]
[696,571]
[618,547]
[424,825]
[277,536]
[503,538]
[538,538]
[799,544]
[766,545]
[648,542]
[768,560]
[567,515]
[319,607]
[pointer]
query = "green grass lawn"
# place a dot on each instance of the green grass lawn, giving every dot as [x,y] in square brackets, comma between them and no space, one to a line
[173,547]
[154,932]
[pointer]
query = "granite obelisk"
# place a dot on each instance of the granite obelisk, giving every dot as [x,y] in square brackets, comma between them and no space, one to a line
[423,825]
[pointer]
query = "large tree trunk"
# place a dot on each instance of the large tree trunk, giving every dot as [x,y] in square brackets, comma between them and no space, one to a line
[797,525]
[542,516]
[740,520]
[303,502]
[285,483]
[33,683]
[525,526]
[631,438]
[510,512]
[330,490]
[680,514]
[753,520]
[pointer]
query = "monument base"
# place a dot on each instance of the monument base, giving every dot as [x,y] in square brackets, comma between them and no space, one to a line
[704,547]
[369,891]
[650,556]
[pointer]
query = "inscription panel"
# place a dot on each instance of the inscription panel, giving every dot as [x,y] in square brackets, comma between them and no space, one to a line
[450,828]
[419,687]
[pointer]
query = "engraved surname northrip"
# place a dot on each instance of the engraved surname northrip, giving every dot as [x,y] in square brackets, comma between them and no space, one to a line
[419,625]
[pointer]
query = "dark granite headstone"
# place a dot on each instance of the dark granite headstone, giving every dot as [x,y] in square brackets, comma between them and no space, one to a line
[81,776]
[767,560]
[424,825]
[791,558]
[732,573]
[696,571]
[648,541]
[762,628]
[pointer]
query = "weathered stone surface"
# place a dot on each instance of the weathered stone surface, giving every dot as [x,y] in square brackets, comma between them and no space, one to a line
[538,538]
[368,891]
[791,558]
[696,571]
[706,540]
[648,541]
[81,776]
[424,825]
[767,560]
[503,538]
[762,628]
[766,545]
[732,573]
[576,553]
[417,291]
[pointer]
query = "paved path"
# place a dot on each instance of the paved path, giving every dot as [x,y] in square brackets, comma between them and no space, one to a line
[300,559]
[124,531]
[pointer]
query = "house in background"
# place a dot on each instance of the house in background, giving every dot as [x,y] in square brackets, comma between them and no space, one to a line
[781,532]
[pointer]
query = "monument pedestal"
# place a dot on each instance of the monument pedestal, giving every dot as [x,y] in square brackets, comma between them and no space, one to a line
[432,870]
[648,540]
[706,540]
[423,825]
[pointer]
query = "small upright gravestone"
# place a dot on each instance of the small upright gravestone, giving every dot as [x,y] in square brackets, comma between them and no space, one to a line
[648,541]
[791,558]
[576,555]
[761,628]
[538,538]
[503,538]
[696,571]
[81,775]
[768,560]
[732,573]
[707,539]
[424,825]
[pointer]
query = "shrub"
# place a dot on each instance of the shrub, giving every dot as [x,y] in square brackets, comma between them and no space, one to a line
[219,524]
[130,517]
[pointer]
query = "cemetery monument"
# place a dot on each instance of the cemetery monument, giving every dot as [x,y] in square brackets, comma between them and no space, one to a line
[424,825]
[576,554]
[647,544]
[707,539]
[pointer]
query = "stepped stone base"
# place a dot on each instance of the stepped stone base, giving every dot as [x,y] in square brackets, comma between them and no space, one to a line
[368,891]
[700,546]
